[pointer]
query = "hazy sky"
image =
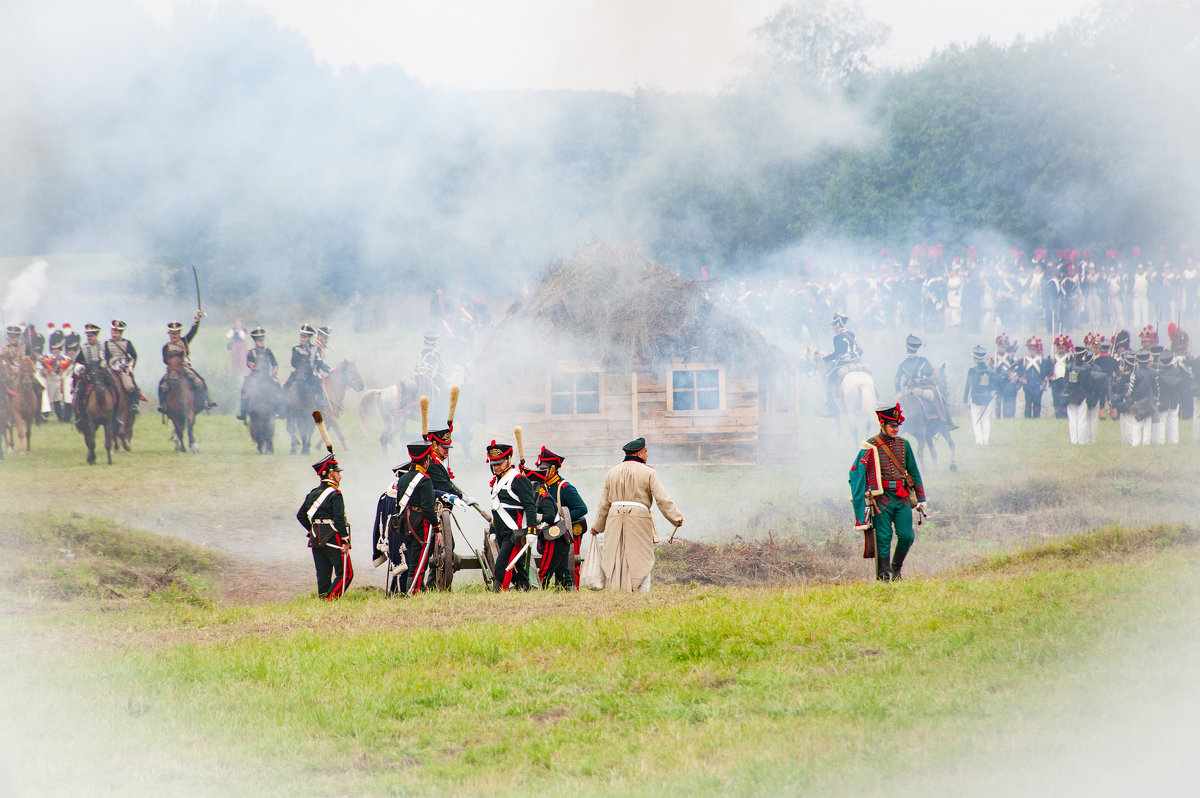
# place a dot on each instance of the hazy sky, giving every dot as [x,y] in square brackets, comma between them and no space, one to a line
[614,45]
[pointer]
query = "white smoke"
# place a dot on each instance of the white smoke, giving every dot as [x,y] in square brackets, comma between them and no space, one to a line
[23,292]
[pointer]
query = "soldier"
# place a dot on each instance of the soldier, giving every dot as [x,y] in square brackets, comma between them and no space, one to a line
[885,487]
[91,353]
[1173,385]
[10,355]
[32,341]
[1074,393]
[417,523]
[1148,337]
[1099,390]
[323,516]
[916,373]
[624,513]
[1158,430]
[53,366]
[513,511]
[71,342]
[308,368]
[322,343]
[1189,401]
[1120,344]
[180,346]
[429,366]
[121,357]
[550,463]
[978,393]
[1008,375]
[1127,364]
[439,472]
[1063,347]
[1141,396]
[260,364]
[1034,370]
[556,552]
[845,350]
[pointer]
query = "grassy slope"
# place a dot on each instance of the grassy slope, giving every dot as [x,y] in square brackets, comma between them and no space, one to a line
[708,691]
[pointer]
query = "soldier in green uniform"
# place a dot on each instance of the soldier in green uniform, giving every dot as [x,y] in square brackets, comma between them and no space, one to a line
[885,487]
[978,394]
[323,516]
[550,463]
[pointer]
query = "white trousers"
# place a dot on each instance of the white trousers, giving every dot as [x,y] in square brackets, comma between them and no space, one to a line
[981,423]
[1158,428]
[1128,424]
[1141,432]
[1077,423]
[1171,425]
[1093,424]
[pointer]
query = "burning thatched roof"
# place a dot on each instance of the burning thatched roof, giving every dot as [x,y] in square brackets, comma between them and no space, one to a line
[628,310]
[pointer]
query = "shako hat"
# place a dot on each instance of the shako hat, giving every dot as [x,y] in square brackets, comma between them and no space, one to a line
[91,329]
[13,330]
[839,319]
[1143,356]
[56,338]
[1080,349]
[419,450]
[1002,341]
[890,414]
[72,340]
[117,324]
[912,343]
[258,333]
[634,446]
[174,327]
[429,338]
[306,329]
[441,436]
[979,352]
[1128,358]
[538,472]
[498,451]
[323,331]
[327,464]
[1165,357]
[1063,343]
[1034,343]
[549,458]
[1179,341]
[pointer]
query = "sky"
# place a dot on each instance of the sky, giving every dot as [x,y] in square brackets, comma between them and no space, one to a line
[608,45]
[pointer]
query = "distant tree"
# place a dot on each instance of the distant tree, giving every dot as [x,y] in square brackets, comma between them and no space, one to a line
[821,44]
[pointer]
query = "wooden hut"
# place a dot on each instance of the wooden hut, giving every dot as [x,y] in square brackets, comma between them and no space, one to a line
[612,346]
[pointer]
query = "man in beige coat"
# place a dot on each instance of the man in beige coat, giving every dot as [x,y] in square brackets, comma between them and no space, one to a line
[624,514]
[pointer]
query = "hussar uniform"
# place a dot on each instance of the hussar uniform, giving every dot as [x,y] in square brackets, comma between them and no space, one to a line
[885,487]
[182,350]
[514,506]
[260,365]
[91,366]
[121,357]
[915,373]
[624,515]
[323,516]
[978,393]
[308,368]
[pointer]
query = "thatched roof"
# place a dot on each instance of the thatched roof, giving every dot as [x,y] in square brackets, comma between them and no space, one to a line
[627,309]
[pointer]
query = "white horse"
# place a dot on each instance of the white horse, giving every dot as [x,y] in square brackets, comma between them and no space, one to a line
[395,405]
[856,404]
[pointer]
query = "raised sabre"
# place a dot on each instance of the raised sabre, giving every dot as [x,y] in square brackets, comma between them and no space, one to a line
[196,279]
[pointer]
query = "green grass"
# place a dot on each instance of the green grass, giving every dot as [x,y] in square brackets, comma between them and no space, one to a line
[711,691]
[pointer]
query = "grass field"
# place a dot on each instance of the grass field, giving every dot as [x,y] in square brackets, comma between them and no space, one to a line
[159,629]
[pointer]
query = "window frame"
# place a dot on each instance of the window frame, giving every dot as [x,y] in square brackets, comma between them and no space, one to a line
[574,394]
[722,403]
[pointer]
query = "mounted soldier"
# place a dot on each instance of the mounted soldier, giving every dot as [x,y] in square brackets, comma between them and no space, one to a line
[308,369]
[10,355]
[429,367]
[90,365]
[916,374]
[846,353]
[261,364]
[179,346]
[121,357]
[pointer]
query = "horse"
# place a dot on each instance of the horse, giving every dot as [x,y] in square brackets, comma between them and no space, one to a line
[920,425]
[396,406]
[179,400]
[98,410]
[856,401]
[6,437]
[303,397]
[344,375]
[265,401]
[125,415]
[26,404]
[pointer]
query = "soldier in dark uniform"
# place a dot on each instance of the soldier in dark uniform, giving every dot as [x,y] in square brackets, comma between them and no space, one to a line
[323,516]
[1099,389]
[308,368]
[978,393]
[71,342]
[1141,397]
[550,463]
[1058,373]
[882,498]
[417,523]
[90,354]
[1008,378]
[429,367]
[916,373]
[513,511]
[1173,386]
[556,552]
[1034,370]
[261,363]
[121,357]
[1075,393]
[845,350]
[1120,343]
[32,341]
[443,478]
[180,346]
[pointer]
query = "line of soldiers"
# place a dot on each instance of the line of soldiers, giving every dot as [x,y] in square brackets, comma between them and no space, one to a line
[1150,390]
[309,366]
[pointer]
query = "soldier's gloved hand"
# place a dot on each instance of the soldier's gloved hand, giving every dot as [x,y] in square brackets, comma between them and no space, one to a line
[468,501]
[921,508]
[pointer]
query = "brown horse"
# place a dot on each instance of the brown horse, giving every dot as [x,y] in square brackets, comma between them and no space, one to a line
[125,417]
[26,404]
[6,415]
[344,376]
[922,423]
[179,400]
[98,410]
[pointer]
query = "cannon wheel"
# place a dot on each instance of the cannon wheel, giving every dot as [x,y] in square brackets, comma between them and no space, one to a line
[443,556]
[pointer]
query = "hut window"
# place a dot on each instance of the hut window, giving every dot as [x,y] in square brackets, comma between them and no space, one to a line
[574,393]
[697,389]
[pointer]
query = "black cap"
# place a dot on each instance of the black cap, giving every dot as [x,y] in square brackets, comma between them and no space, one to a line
[441,436]
[634,446]
[913,342]
[419,450]
[979,352]
[327,464]
[498,451]
[549,458]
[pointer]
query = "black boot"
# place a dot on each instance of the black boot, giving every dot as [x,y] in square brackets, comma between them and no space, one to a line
[883,569]
[897,561]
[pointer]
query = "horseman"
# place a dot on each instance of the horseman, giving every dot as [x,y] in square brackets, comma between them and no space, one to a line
[845,351]
[916,374]
[308,368]
[121,357]
[90,363]
[429,366]
[179,346]
[261,362]
[10,355]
